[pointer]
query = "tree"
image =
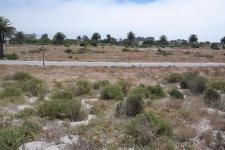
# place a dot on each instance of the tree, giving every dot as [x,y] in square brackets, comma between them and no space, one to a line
[85,38]
[193,38]
[131,38]
[108,38]
[79,38]
[163,40]
[44,37]
[6,31]
[95,37]
[20,37]
[223,41]
[59,38]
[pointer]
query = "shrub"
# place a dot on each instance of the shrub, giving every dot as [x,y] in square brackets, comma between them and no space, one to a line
[220,85]
[10,92]
[83,44]
[146,128]
[125,85]
[112,92]
[212,97]
[126,50]
[11,56]
[134,105]
[163,52]
[100,84]
[139,90]
[82,87]
[93,43]
[155,92]
[60,109]
[196,45]
[25,113]
[175,77]
[176,94]
[195,83]
[22,76]
[68,51]
[63,92]
[12,137]
[29,130]
[215,46]
[34,87]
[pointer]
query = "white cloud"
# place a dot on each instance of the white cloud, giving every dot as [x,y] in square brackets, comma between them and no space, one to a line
[175,18]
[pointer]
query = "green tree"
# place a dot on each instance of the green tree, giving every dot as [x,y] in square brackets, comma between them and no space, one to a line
[96,37]
[59,38]
[108,38]
[131,38]
[6,31]
[163,40]
[20,37]
[45,38]
[223,41]
[193,38]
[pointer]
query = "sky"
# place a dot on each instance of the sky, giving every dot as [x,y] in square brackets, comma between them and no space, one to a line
[175,18]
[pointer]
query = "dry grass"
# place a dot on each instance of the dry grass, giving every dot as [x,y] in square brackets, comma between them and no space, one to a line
[114,53]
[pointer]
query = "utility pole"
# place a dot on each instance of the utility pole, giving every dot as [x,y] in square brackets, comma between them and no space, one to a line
[43,54]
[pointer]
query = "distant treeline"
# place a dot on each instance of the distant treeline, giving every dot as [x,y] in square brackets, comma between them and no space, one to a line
[96,39]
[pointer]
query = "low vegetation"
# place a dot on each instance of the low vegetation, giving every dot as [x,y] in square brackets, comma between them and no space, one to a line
[82,87]
[176,94]
[194,82]
[61,109]
[12,137]
[144,131]
[212,98]
[174,78]
[112,92]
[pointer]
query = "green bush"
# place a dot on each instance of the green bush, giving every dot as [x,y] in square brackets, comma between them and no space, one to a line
[12,137]
[146,128]
[220,85]
[196,45]
[112,92]
[125,85]
[100,84]
[139,90]
[174,78]
[25,113]
[215,46]
[34,87]
[60,109]
[126,50]
[163,52]
[83,44]
[82,87]
[155,92]
[195,83]
[10,92]
[22,76]
[212,97]
[132,106]
[176,94]
[11,56]
[65,92]
[68,51]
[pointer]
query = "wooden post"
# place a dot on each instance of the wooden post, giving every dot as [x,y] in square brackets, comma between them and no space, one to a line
[43,57]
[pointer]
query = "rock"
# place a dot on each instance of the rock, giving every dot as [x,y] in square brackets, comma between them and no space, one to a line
[60,145]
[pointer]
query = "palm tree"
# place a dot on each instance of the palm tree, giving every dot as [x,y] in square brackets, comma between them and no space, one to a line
[96,36]
[131,38]
[223,41]
[6,31]
[193,38]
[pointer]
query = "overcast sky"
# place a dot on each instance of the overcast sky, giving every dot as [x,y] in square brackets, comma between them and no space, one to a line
[174,18]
